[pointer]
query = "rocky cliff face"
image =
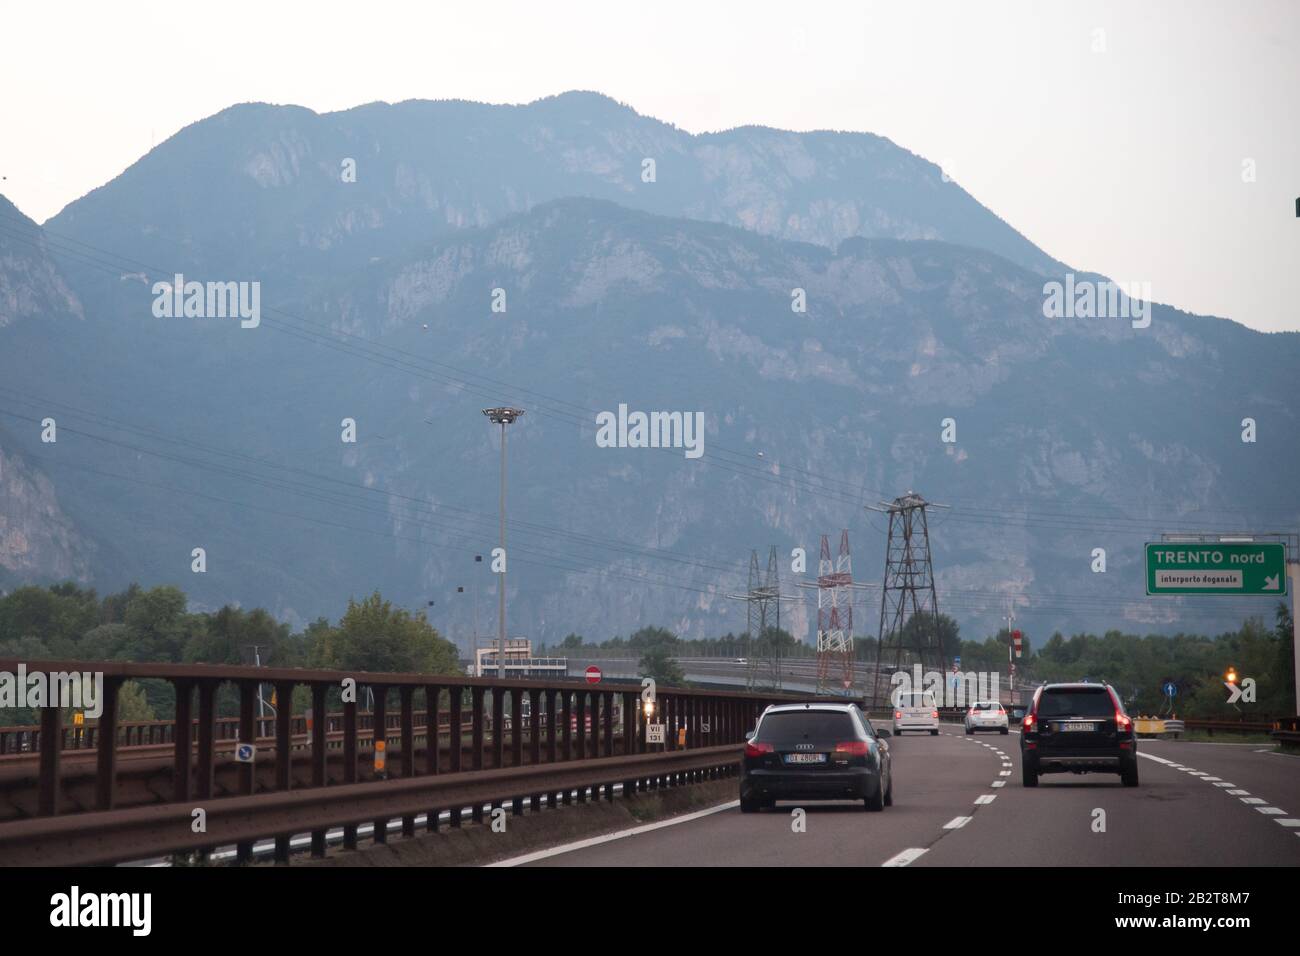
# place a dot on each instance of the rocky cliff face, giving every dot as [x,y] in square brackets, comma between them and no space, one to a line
[30,283]
[37,539]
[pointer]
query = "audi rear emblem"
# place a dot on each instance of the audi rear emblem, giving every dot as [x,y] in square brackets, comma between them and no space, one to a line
[803,746]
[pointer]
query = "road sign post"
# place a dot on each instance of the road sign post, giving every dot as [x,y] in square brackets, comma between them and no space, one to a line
[1255,568]
[1293,572]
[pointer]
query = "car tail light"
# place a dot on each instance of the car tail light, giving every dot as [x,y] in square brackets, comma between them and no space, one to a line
[898,715]
[1122,721]
[934,714]
[854,748]
[1027,723]
[756,749]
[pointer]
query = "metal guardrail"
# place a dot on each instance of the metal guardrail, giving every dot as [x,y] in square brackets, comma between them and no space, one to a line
[569,721]
[145,832]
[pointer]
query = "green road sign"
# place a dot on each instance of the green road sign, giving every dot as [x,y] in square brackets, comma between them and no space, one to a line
[1215,568]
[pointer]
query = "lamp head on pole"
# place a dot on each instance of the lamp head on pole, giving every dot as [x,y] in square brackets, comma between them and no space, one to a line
[503,416]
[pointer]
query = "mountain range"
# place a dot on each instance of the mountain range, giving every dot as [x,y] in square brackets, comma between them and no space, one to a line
[828,301]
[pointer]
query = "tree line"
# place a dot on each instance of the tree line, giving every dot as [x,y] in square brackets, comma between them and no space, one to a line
[68,622]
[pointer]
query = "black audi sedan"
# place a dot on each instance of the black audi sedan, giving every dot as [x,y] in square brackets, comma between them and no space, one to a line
[815,751]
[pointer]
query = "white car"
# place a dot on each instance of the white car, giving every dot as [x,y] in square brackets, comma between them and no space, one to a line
[916,710]
[987,715]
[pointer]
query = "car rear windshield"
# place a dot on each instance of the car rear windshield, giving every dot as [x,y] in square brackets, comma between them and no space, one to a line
[806,725]
[915,700]
[1067,702]
[986,706]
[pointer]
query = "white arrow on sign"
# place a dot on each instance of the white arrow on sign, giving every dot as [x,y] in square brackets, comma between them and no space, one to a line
[1272,583]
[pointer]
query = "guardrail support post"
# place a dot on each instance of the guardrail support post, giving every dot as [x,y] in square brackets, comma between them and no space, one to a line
[609,726]
[580,723]
[433,730]
[182,743]
[350,764]
[247,734]
[535,699]
[379,724]
[318,755]
[406,694]
[456,739]
[50,744]
[283,757]
[106,766]
[567,753]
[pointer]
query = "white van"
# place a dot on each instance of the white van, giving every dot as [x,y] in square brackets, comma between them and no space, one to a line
[916,710]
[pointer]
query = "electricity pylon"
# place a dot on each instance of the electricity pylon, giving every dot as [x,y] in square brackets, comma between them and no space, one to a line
[908,589]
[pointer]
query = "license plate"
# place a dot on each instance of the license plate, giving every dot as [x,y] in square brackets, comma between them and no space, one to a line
[1079,725]
[805,758]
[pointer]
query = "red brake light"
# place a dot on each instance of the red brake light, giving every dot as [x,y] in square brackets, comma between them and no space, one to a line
[755,749]
[898,715]
[1028,722]
[854,748]
[934,714]
[1122,721]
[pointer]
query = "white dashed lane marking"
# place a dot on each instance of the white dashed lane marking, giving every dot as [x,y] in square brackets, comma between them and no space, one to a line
[904,858]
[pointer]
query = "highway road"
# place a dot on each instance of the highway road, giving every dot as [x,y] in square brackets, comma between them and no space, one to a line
[958,801]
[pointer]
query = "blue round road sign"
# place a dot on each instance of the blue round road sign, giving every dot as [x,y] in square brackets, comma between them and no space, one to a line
[1170,688]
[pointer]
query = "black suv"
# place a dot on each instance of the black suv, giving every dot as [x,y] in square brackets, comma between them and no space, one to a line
[815,752]
[1081,728]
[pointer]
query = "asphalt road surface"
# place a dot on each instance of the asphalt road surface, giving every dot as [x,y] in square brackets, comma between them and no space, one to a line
[958,801]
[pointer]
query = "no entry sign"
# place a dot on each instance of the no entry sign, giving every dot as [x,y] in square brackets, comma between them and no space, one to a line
[593,674]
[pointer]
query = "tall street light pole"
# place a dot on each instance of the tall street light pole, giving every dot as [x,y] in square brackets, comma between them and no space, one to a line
[503,417]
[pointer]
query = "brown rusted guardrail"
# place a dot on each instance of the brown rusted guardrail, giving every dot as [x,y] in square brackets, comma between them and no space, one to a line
[141,833]
[574,719]
[25,738]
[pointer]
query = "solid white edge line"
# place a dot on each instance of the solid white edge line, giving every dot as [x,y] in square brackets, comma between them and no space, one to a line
[610,837]
[906,857]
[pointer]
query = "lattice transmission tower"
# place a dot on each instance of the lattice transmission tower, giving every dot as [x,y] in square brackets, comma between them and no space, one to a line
[763,611]
[908,590]
[835,589]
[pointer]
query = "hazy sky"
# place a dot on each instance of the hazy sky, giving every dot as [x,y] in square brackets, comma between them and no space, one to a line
[1113,135]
